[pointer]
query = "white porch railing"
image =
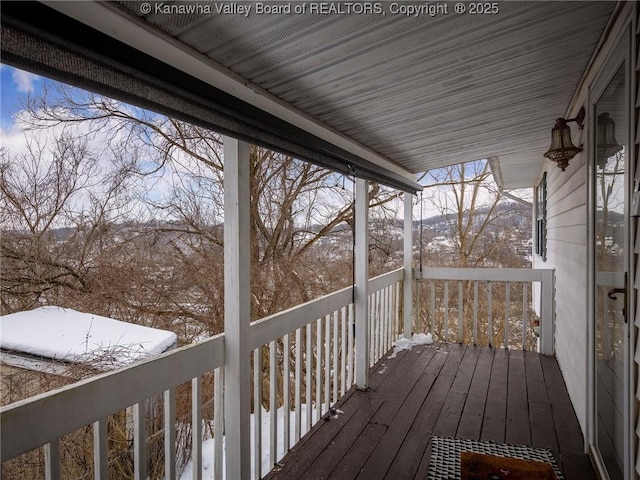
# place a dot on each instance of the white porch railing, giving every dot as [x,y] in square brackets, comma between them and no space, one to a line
[303,362]
[465,304]
[43,420]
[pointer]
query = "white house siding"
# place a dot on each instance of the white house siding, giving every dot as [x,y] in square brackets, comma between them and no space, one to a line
[567,255]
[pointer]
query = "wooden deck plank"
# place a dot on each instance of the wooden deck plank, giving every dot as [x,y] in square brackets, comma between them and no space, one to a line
[313,444]
[458,394]
[406,413]
[467,370]
[388,377]
[517,422]
[412,372]
[493,425]
[448,390]
[395,391]
[570,440]
[473,414]
[350,464]
[543,433]
[535,378]
[410,455]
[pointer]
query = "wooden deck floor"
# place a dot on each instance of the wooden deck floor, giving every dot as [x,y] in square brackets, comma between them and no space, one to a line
[448,390]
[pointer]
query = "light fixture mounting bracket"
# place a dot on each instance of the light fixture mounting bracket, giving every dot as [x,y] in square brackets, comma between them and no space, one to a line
[579,118]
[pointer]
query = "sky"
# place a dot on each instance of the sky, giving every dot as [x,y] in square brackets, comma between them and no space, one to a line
[14,86]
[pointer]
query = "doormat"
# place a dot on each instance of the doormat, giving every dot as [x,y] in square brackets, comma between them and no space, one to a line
[445,456]
[480,466]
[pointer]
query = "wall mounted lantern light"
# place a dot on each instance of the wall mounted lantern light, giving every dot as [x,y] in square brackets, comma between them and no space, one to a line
[607,145]
[562,148]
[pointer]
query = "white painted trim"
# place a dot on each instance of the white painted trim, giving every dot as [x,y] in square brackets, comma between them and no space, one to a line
[100,444]
[544,276]
[121,25]
[590,434]
[489,274]
[52,460]
[218,421]
[170,434]
[385,280]
[407,290]
[362,283]
[279,324]
[140,441]
[610,38]
[257,408]
[237,308]
[547,312]
[196,427]
[598,463]
[634,127]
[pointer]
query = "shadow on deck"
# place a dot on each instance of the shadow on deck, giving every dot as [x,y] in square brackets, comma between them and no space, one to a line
[459,391]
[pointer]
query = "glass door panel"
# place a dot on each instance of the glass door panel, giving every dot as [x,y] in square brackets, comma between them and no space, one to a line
[611,254]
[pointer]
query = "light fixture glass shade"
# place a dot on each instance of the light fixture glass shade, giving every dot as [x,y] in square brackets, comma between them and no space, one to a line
[562,148]
[607,145]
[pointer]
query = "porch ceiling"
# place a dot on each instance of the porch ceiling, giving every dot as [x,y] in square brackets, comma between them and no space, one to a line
[421,91]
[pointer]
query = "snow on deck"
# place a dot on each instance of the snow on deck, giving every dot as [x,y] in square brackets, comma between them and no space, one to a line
[68,335]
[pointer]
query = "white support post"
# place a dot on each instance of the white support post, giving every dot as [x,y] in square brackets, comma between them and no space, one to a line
[237,389]
[52,460]
[407,299]
[547,309]
[196,427]
[362,283]
[170,434]
[218,421]
[140,440]
[100,440]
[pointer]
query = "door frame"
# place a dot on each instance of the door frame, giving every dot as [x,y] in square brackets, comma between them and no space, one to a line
[620,54]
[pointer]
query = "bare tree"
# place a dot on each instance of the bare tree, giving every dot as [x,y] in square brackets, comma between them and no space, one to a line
[53,187]
[481,226]
[473,207]
[296,206]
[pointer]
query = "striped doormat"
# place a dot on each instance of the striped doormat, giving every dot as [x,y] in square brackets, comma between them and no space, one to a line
[445,455]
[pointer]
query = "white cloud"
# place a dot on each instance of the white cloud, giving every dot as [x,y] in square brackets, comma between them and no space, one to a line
[12,138]
[24,80]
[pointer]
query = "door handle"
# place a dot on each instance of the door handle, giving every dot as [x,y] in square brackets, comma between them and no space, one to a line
[614,291]
[612,294]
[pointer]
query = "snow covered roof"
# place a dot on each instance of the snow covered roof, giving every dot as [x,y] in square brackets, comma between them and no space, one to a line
[68,335]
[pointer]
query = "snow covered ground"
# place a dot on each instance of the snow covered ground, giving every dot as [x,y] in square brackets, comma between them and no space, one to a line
[208,453]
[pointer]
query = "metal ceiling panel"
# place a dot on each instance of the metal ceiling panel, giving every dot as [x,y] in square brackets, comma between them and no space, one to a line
[423,91]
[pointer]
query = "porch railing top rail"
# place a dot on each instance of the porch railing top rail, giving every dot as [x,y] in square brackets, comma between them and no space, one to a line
[488,274]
